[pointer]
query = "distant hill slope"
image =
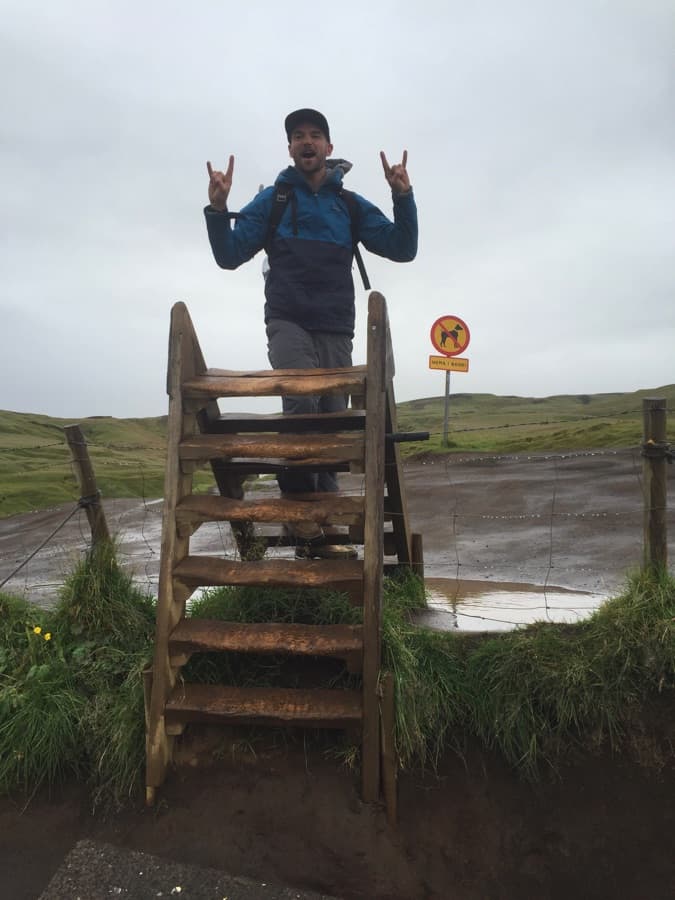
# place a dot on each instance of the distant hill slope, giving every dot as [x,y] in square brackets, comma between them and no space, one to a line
[128,454]
[490,423]
[35,463]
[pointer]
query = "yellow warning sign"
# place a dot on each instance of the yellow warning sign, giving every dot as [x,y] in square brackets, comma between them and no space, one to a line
[451,363]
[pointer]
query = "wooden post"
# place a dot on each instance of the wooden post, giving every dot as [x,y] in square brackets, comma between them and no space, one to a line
[389,761]
[417,555]
[89,493]
[655,455]
[185,360]
[373,542]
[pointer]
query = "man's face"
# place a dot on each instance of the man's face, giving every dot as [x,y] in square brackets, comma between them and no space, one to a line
[309,149]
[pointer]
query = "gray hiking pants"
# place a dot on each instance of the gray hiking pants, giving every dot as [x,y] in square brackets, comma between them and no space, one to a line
[291,347]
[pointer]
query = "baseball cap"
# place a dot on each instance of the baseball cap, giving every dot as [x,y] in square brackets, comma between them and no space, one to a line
[306,115]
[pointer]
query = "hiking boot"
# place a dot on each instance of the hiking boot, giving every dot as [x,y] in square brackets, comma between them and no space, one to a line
[312,542]
[305,532]
[321,550]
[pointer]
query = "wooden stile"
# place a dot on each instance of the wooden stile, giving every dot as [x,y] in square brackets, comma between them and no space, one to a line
[236,445]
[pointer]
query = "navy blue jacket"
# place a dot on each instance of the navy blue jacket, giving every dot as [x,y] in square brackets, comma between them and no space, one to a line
[310,278]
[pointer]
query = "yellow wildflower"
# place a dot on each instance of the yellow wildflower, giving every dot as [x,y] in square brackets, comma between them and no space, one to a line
[37,630]
[48,636]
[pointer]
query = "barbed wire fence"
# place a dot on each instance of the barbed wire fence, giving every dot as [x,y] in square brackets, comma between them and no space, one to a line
[514,533]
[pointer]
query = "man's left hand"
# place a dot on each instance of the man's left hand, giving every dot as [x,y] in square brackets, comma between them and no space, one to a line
[396,175]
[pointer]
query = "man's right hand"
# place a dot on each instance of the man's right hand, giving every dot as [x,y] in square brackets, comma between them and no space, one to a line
[219,185]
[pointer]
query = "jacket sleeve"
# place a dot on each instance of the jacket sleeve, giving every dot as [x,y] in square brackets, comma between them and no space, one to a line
[395,240]
[233,246]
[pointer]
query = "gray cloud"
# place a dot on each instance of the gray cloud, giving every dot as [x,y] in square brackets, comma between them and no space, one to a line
[540,140]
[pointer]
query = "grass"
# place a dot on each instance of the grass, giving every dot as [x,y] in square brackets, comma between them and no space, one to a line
[128,454]
[487,423]
[71,695]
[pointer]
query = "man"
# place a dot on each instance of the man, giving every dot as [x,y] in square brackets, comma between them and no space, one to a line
[309,291]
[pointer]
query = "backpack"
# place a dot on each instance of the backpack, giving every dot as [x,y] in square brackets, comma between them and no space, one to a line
[284,194]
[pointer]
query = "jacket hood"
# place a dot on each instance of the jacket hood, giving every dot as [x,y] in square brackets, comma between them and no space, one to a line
[336,169]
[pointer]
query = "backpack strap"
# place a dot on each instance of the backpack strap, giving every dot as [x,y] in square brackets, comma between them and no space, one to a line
[282,196]
[354,217]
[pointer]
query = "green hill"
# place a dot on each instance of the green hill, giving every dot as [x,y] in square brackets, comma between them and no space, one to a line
[128,454]
[35,462]
[489,423]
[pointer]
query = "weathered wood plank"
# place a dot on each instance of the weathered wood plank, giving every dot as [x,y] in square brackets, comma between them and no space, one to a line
[253,466]
[285,373]
[209,571]
[417,555]
[393,474]
[242,423]
[326,509]
[276,385]
[389,758]
[202,635]
[264,706]
[373,542]
[185,359]
[655,484]
[312,447]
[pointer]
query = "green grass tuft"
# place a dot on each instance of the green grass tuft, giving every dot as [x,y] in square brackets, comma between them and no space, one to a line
[71,695]
[99,599]
[40,712]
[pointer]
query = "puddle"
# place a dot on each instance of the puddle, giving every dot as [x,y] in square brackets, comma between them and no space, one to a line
[489,606]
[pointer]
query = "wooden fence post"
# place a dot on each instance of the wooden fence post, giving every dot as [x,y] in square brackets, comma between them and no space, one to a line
[655,454]
[89,494]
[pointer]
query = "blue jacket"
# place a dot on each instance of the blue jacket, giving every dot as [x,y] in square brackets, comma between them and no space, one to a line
[310,277]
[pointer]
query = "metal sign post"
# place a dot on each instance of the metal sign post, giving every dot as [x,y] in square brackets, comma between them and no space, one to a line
[446,408]
[454,330]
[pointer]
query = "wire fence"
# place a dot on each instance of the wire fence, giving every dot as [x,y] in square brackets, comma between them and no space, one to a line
[508,537]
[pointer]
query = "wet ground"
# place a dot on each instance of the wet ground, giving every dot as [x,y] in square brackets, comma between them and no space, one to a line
[507,540]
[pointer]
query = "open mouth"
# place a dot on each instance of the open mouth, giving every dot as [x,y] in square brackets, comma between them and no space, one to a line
[308,154]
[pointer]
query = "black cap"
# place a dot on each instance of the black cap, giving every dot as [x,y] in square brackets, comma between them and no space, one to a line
[306,115]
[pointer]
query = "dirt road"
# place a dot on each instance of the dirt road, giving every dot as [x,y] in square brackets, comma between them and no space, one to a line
[573,520]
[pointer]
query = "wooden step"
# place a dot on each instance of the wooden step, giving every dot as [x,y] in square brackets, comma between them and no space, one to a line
[255,466]
[204,635]
[276,382]
[325,509]
[311,708]
[209,571]
[293,448]
[284,423]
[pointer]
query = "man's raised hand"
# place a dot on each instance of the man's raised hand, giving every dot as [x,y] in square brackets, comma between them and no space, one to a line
[396,175]
[219,185]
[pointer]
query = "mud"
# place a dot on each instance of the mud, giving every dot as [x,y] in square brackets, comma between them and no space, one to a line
[572,521]
[288,817]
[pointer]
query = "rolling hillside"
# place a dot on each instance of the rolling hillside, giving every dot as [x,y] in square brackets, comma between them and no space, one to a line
[128,454]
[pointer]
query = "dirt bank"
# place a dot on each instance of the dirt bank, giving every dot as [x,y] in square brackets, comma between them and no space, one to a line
[604,830]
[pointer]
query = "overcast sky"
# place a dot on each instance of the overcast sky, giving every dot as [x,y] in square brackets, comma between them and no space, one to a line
[540,140]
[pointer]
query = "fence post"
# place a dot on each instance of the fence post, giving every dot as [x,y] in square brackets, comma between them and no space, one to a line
[90,496]
[655,455]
